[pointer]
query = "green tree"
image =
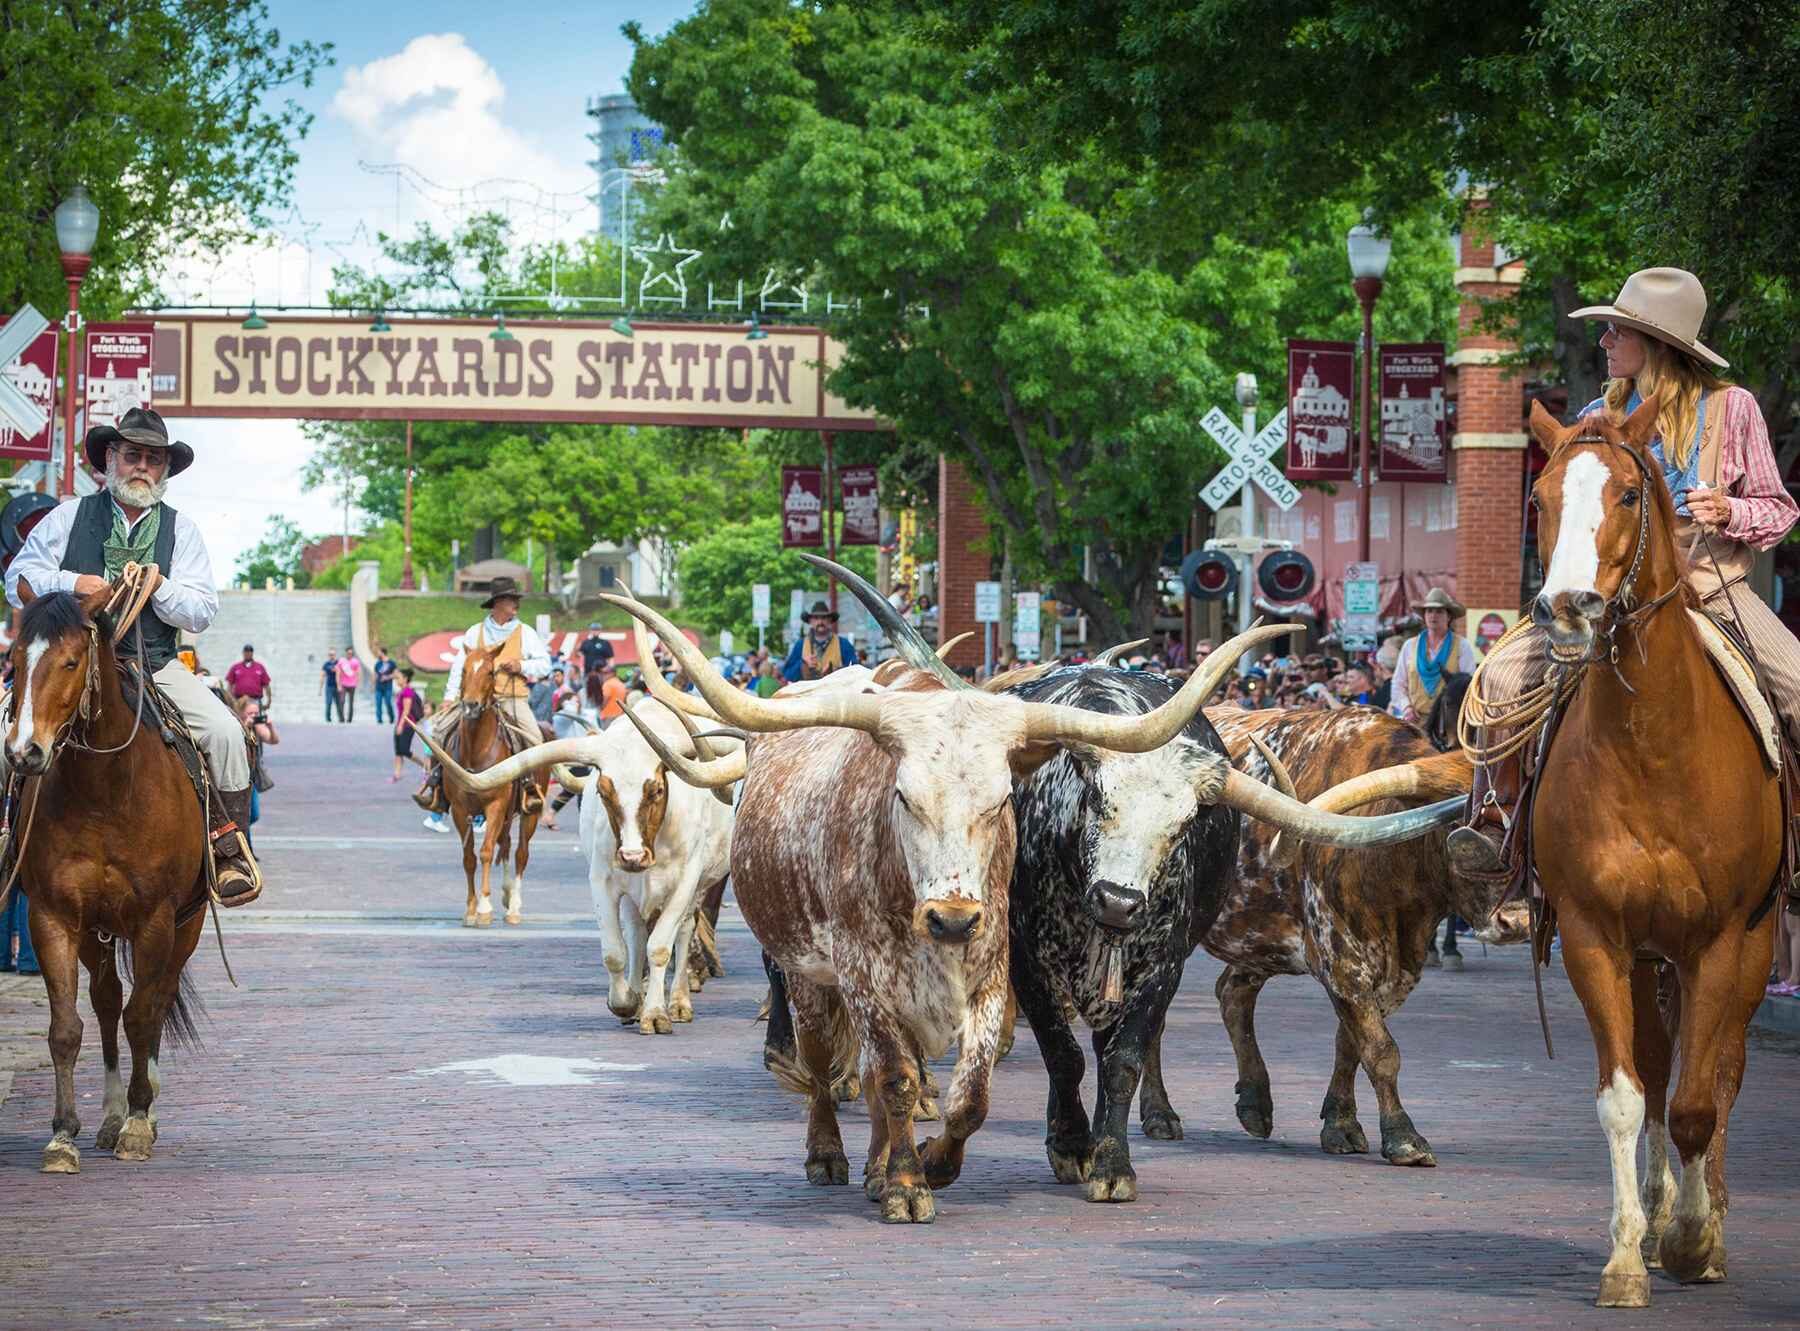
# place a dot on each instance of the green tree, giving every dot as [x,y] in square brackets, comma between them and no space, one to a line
[170,114]
[719,569]
[276,556]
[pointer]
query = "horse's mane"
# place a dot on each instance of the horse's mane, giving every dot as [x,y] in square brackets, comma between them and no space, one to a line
[51,615]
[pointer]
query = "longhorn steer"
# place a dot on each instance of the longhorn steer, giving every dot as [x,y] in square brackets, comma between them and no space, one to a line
[1358,922]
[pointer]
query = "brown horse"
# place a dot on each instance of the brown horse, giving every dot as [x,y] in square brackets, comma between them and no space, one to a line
[482,743]
[112,852]
[1657,830]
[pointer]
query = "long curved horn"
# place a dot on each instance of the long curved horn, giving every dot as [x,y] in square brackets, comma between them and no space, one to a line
[715,776]
[1438,777]
[1058,722]
[904,636]
[569,781]
[508,770]
[1248,795]
[1283,782]
[702,750]
[735,707]
[1110,657]
[660,689]
[1019,676]
[945,648]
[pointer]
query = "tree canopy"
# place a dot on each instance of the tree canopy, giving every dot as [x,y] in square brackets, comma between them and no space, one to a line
[719,569]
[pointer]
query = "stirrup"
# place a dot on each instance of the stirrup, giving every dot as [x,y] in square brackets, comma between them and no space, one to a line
[237,879]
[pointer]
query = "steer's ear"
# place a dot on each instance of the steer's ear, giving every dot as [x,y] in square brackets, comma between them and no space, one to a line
[1029,755]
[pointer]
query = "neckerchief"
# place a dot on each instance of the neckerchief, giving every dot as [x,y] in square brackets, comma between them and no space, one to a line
[817,664]
[131,545]
[1430,669]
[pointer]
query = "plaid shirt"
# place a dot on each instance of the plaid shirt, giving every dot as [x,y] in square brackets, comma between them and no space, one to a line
[1761,508]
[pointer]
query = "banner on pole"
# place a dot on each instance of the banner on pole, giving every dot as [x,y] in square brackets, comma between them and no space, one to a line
[34,375]
[802,506]
[862,506]
[118,370]
[1321,386]
[1412,413]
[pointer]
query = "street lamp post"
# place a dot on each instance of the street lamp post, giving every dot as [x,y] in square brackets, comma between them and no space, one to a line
[1368,266]
[406,568]
[77,224]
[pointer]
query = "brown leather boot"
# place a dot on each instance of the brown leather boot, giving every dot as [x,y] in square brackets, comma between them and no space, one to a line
[240,881]
[1481,850]
[531,799]
[430,796]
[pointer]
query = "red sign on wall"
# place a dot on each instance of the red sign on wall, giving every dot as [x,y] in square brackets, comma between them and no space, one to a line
[1321,383]
[802,506]
[118,370]
[34,375]
[862,506]
[1412,413]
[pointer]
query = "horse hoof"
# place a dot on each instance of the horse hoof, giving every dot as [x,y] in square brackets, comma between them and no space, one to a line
[513,917]
[1691,1252]
[827,1169]
[61,1157]
[1164,1125]
[907,1204]
[135,1139]
[1117,1188]
[108,1137]
[483,919]
[469,920]
[1624,1289]
[1343,1139]
[1069,1166]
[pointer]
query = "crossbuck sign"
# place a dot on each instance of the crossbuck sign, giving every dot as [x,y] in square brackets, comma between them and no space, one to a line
[1249,461]
[20,331]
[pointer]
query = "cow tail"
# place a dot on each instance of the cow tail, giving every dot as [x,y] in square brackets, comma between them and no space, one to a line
[793,1074]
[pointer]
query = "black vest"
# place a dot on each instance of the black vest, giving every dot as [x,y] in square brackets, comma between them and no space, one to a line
[87,554]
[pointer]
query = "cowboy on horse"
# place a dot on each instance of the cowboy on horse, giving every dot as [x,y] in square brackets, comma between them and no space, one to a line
[521,658]
[84,544]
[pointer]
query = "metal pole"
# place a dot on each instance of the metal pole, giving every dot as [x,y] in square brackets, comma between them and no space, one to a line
[1247,562]
[831,509]
[987,651]
[74,267]
[406,568]
[1367,289]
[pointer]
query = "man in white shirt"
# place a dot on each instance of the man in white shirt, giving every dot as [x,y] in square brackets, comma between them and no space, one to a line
[83,544]
[523,659]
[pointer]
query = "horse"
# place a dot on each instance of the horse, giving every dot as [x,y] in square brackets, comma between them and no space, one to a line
[482,742]
[112,850]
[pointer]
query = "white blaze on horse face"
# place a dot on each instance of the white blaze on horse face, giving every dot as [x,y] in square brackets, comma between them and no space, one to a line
[25,727]
[1575,563]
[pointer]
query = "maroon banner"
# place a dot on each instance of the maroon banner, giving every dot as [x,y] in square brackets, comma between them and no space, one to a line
[861,506]
[802,506]
[1321,383]
[118,370]
[34,375]
[1412,413]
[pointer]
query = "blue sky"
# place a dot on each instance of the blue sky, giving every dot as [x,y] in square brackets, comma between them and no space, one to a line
[478,105]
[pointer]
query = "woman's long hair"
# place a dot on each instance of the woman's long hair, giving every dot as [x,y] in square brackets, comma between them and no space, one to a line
[1679,381]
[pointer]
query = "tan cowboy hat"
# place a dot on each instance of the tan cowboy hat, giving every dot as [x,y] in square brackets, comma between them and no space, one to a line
[1667,303]
[1439,599]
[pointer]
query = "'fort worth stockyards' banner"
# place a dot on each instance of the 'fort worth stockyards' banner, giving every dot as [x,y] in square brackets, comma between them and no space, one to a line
[452,369]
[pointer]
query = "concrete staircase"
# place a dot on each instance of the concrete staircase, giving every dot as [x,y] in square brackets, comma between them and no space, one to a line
[292,631]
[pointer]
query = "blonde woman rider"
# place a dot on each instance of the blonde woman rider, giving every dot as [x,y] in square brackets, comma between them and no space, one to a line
[1713,448]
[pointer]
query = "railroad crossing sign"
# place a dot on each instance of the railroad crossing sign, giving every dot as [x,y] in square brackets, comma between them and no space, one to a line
[1249,461]
[26,416]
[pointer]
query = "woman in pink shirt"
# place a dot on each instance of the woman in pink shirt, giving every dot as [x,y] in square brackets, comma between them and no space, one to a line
[349,673]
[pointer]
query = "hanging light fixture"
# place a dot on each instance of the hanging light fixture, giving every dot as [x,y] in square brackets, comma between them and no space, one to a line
[756,333]
[622,326]
[500,334]
[255,322]
[381,325]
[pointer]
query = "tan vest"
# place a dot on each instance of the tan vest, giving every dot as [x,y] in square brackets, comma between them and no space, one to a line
[1735,558]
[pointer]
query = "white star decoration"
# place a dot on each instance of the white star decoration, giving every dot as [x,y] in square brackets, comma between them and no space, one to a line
[671,276]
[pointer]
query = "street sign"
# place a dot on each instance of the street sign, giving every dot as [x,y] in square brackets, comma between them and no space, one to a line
[1362,606]
[759,605]
[1247,460]
[17,408]
[987,603]
[1027,624]
[727,643]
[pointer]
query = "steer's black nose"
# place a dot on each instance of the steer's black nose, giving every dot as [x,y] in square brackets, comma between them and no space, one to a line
[953,924]
[1114,906]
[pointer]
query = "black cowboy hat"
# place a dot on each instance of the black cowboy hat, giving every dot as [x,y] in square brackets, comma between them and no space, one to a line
[501,586]
[819,611]
[142,426]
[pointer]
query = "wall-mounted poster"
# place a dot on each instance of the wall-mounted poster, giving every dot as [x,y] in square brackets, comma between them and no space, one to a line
[1412,413]
[802,506]
[1321,382]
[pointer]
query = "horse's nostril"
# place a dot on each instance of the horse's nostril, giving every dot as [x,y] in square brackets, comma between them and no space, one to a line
[1589,605]
[1541,613]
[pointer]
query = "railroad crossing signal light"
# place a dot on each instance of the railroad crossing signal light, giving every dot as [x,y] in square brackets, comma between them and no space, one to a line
[1208,575]
[1286,575]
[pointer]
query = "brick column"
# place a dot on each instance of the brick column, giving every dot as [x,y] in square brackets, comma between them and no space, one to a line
[1489,445]
[963,559]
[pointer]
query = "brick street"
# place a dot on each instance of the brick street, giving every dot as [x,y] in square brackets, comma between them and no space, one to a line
[325,1161]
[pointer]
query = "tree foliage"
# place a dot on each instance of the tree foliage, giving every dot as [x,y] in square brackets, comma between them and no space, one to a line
[719,569]
[276,556]
[169,114]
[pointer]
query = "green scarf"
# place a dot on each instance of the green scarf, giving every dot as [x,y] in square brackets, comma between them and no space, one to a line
[137,546]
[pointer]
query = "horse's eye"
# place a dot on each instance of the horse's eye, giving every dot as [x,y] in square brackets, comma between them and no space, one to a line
[1630,499]
[69,665]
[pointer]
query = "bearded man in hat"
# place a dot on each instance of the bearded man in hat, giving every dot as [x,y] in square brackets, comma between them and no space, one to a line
[1424,660]
[820,650]
[83,544]
[523,659]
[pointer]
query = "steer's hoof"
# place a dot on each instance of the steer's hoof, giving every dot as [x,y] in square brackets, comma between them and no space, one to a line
[1624,1289]
[1164,1125]
[135,1139]
[1344,1138]
[60,1157]
[1401,1143]
[1256,1109]
[108,1136]
[681,1012]
[942,1163]
[1069,1166]
[908,1204]
[925,1109]
[655,1023]
[825,1169]
[1114,1188]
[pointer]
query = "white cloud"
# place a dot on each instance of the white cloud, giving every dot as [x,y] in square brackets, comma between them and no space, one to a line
[435,106]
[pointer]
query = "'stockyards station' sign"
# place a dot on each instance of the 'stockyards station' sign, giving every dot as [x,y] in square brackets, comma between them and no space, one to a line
[453,369]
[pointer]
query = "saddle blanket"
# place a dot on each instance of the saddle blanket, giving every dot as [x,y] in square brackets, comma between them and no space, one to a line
[1740,676]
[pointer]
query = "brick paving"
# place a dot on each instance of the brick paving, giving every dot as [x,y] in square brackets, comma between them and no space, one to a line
[325,1161]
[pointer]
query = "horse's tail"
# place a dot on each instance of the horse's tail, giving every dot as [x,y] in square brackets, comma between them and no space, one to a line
[181,1024]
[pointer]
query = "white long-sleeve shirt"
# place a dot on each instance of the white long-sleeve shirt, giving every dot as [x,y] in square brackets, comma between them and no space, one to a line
[185,599]
[534,657]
